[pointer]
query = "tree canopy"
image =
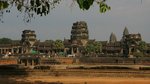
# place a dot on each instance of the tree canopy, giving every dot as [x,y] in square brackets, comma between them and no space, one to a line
[85,5]
[43,7]
[142,46]
[58,44]
[93,47]
[5,41]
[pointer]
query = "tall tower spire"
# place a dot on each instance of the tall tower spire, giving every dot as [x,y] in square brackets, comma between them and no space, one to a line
[113,38]
[125,32]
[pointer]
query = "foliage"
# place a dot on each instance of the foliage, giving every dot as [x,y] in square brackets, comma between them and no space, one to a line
[85,5]
[51,42]
[103,7]
[58,44]
[5,41]
[142,46]
[30,8]
[3,5]
[93,47]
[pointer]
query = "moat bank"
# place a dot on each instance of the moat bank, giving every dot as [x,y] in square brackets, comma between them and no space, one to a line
[76,80]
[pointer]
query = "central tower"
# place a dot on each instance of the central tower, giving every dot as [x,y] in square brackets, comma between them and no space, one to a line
[79,33]
[28,40]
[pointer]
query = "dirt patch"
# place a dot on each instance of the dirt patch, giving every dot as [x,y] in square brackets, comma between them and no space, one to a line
[73,80]
[90,80]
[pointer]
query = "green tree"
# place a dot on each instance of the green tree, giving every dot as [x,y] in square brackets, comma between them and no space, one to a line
[98,47]
[85,5]
[3,5]
[5,41]
[143,46]
[93,47]
[50,42]
[30,8]
[59,45]
[90,48]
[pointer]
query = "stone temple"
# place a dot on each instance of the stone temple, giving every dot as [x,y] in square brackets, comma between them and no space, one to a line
[128,46]
[78,39]
[79,33]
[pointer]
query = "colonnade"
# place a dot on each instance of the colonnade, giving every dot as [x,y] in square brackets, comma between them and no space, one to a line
[11,50]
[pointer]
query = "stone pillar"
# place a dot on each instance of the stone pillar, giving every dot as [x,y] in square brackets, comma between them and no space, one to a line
[65,51]
[77,50]
[72,52]
[22,50]
[129,54]
[12,51]
[17,50]
[32,63]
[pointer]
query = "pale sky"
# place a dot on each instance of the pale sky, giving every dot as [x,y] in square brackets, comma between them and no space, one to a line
[57,25]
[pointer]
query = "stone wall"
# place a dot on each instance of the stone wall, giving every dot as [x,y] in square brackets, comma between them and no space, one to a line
[8,61]
[115,60]
[59,60]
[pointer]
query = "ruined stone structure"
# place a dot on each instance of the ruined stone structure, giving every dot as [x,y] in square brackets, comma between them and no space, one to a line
[79,33]
[126,47]
[28,40]
[132,42]
[13,48]
[124,43]
[78,39]
[22,46]
[29,61]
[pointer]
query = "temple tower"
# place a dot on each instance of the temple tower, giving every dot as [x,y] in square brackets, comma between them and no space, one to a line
[79,32]
[28,40]
[125,32]
[113,38]
[124,42]
[79,37]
